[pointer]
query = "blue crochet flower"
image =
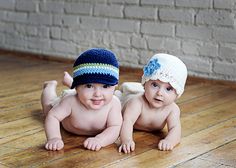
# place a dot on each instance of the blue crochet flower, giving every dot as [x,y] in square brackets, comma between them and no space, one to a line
[151,67]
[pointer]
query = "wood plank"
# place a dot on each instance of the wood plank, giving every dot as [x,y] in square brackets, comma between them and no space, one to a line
[226,155]
[198,163]
[204,119]
[19,128]
[3,166]
[207,101]
[199,90]
[219,157]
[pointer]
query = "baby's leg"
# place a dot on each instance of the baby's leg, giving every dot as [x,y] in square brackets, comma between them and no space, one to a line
[67,80]
[48,94]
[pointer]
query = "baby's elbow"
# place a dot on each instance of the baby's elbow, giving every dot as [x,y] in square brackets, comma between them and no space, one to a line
[118,127]
[53,117]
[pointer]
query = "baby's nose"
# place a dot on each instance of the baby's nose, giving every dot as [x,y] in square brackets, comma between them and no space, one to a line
[160,92]
[97,92]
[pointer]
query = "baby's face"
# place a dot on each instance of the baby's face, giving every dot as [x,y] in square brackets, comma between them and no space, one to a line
[94,96]
[159,94]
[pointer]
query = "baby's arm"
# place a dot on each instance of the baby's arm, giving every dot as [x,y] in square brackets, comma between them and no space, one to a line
[111,133]
[174,132]
[52,125]
[130,115]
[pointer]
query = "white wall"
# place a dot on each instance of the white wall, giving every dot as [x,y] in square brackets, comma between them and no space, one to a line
[201,32]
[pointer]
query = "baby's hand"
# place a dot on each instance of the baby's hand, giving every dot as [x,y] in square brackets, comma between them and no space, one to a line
[54,144]
[127,147]
[165,145]
[92,144]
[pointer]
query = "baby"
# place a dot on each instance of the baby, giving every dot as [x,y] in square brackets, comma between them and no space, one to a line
[151,105]
[90,108]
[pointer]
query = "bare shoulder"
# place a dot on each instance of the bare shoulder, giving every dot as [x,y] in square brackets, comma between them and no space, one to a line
[64,107]
[137,100]
[174,109]
[134,105]
[70,99]
[114,105]
[116,100]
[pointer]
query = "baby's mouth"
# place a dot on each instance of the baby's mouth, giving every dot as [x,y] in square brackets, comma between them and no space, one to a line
[159,100]
[97,101]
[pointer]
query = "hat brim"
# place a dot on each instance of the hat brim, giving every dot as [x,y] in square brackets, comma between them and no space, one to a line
[91,78]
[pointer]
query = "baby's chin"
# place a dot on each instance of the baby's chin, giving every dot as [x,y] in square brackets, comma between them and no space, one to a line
[96,107]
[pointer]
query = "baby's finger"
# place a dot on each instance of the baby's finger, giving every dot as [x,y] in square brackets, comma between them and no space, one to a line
[169,147]
[60,145]
[124,148]
[86,143]
[161,145]
[93,146]
[132,147]
[120,148]
[50,146]
[98,147]
[46,146]
[89,146]
[54,146]
[165,146]
[128,148]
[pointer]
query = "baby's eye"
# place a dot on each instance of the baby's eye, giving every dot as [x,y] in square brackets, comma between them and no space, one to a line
[88,85]
[169,88]
[106,86]
[154,84]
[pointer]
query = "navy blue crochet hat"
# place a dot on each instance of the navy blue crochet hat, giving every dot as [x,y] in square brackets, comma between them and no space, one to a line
[96,65]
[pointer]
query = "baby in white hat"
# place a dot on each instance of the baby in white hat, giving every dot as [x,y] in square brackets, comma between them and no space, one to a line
[151,105]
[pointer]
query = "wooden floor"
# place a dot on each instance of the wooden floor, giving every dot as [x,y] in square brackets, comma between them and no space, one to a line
[208,124]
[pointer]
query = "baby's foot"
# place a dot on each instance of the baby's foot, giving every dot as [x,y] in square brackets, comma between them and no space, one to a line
[48,94]
[67,79]
[49,83]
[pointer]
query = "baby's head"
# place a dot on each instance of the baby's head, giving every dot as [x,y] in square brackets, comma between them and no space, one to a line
[96,65]
[166,68]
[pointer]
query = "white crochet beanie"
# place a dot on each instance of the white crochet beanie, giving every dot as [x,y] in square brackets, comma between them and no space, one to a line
[166,68]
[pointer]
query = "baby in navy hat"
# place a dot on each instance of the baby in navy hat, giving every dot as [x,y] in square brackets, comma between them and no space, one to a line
[90,108]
